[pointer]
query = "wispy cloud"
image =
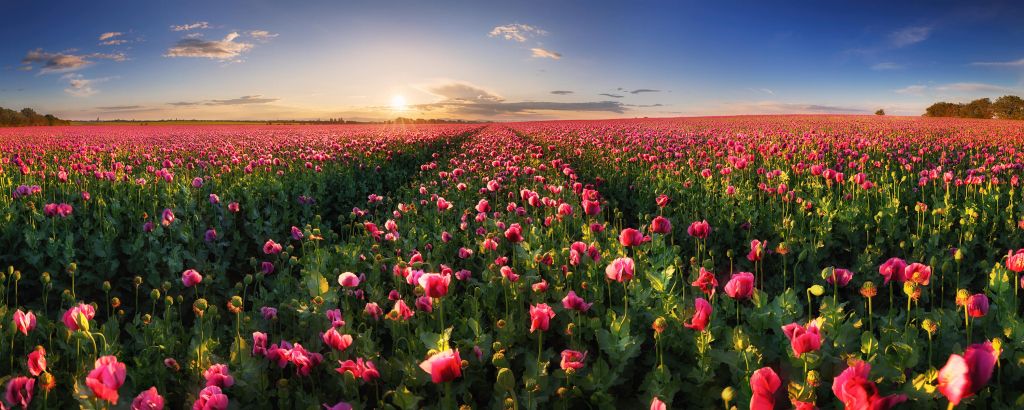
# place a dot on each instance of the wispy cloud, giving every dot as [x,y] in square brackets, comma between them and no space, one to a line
[79,86]
[1012,64]
[644,90]
[460,91]
[543,53]
[611,95]
[561,92]
[884,66]
[912,90]
[243,100]
[466,99]
[193,26]
[909,36]
[776,107]
[63,62]
[262,35]
[225,49]
[111,38]
[517,32]
[954,88]
[762,90]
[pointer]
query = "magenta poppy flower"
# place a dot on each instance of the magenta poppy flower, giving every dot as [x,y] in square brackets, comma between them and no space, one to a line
[348,280]
[855,389]
[918,273]
[632,237]
[572,359]
[1015,261]
[218,375]
[443,366]
[764,383]
[573,302]
[373,310]
[167,217]
[19,391]
[662,200]
[211,398]
[269,313]
[803,339]
[259,344]
[401,310]
[657,404]
[37,361]
[840,276]
[706,281]
[620,270]
[756,250]
[24,322]
[514,233]
[591,208]
[335,340]
[977,305]
[148,400]
[740,286]
[661,225]
[271,247]
[190,278]
[893,269]
[338,406]
[435,285]
[540,317]
[701,316]
[106,377]
[78,316]
[699,229]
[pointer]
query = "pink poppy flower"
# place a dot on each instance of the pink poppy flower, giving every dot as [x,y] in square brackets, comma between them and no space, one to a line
[540,317]
[701,316]
[443,366]
[106,377]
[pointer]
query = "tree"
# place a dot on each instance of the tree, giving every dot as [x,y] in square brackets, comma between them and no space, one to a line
[943,109]
[880,112]
[1009,107]
[980,108]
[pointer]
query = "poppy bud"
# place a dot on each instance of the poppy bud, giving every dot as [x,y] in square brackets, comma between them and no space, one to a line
[728,394]
[817,290]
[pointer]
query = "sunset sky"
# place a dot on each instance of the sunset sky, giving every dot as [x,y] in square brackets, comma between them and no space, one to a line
[509,60]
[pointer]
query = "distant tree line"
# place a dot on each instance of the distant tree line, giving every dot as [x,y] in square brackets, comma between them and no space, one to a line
[1007,107]
[27,117]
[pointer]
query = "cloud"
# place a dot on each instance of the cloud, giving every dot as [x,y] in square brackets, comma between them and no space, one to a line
[225,49]
[193,26]
[1011,64]
[64,61]
[776,107]
[517,32]
[561,92]
[909,36]
[611,95]
[121,108]
[243,100]
[527,107]
[883,66]
[542,53]
[644,90]
[457,91]
[645,105]
[956,88]
[971,87]
[79,86]
[262,35]
[109,38]
[912,90]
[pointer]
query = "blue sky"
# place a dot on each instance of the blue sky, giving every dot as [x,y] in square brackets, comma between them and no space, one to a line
[505,61]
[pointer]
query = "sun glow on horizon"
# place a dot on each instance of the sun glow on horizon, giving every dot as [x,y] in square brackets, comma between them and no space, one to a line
[398,103]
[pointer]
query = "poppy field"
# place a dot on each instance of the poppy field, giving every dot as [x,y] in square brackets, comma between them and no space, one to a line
[832,262]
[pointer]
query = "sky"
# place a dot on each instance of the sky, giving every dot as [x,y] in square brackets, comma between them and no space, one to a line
[513,60]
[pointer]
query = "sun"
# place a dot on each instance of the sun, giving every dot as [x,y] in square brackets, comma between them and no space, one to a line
[398,103]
